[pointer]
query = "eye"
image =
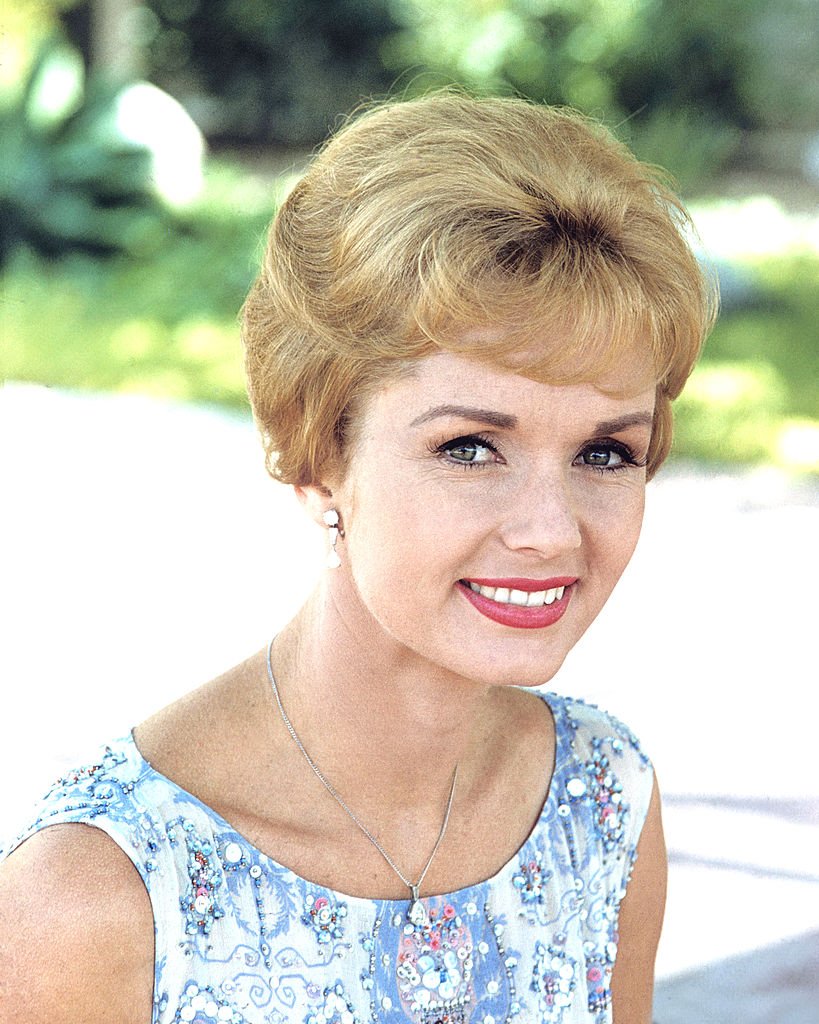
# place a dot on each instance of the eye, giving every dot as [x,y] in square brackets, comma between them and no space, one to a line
[602,457]
[470,450]
[607,456]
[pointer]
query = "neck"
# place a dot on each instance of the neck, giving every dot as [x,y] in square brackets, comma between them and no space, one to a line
[384,726]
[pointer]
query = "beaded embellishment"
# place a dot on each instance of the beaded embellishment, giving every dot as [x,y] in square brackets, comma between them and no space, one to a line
[434,966]
[531,879]
[335,1008]
[204,1006]
[606,792]
[198,902]
[598,974]
[554,979]
[325,916]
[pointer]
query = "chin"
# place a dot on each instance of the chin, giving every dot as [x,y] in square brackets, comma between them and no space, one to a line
[526,672]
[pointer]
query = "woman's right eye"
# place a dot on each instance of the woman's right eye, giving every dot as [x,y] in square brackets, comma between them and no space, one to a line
[469,451]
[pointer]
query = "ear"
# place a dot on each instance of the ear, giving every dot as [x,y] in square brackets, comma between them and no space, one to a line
[316,500]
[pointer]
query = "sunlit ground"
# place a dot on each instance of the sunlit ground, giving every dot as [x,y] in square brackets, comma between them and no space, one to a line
[145,550]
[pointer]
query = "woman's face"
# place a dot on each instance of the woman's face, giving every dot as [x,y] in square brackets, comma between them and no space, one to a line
[488,517]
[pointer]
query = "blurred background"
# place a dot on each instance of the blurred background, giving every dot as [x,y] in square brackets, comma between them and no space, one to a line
[144,147]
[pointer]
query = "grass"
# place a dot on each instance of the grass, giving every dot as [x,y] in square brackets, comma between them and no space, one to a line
[167,325]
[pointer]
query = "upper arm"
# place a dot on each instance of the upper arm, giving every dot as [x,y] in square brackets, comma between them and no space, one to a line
[641,919]
[76,932]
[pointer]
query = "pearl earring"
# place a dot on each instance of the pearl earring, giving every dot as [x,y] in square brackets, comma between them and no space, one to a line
[331,518]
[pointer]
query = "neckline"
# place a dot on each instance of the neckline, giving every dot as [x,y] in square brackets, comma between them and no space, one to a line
[562,752]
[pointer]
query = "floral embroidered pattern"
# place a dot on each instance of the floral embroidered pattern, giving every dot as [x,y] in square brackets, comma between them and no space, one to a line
[606,793]
[531,878]
[243,940]
[97,788]
[598,975]
[325,916]
[203,1006]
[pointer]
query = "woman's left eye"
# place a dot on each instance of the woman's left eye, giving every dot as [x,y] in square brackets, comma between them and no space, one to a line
[606,456]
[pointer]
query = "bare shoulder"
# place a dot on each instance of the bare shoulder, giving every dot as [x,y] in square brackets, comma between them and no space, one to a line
[76,931]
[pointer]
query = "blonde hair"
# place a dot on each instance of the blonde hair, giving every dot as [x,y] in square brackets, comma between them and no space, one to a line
[421,220]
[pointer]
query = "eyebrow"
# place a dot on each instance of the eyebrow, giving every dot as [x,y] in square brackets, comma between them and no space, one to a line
[507,421]
[468,412]
[634,419]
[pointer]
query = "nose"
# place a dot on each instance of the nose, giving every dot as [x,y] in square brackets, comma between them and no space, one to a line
[544,518]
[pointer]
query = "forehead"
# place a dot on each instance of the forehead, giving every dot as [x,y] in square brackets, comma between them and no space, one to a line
[446,379]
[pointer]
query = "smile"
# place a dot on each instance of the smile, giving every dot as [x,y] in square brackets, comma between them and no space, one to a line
[522,598]
[520,603]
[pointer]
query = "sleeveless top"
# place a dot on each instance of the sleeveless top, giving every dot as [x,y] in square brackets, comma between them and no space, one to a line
[244,940]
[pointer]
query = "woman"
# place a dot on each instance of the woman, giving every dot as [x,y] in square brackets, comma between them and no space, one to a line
[462,348]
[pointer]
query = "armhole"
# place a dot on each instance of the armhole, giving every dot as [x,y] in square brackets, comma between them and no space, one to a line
[583,726]
[641,784]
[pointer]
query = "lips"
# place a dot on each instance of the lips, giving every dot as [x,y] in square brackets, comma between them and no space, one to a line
[520,603]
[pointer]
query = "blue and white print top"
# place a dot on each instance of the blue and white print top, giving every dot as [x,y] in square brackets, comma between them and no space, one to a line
[241,939]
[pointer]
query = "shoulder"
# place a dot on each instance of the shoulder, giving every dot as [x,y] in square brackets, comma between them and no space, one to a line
[106,783]
[76,931]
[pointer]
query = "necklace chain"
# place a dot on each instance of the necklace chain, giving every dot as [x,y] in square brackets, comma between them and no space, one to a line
[413,887]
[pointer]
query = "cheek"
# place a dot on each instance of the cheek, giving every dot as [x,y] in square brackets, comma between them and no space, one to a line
[406,548]
[391,544]
[620,528]
[616,525]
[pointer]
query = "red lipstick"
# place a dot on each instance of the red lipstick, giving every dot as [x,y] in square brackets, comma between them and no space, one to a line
[519,616]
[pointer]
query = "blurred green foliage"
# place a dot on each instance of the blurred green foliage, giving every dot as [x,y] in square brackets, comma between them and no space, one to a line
[164,324]
[753,398]
[68,179]
[257,70]
[683,79]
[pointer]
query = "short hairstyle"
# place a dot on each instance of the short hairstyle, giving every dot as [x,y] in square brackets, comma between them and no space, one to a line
[422,220]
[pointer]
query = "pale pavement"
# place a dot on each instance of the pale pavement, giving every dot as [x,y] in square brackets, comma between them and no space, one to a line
[145,550]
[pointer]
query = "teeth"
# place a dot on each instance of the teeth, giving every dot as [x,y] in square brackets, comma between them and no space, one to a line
[523,598]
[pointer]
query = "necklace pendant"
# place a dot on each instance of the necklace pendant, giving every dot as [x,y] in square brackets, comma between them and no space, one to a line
[417,913]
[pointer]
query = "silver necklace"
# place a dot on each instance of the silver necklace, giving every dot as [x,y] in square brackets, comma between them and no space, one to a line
[416,913]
